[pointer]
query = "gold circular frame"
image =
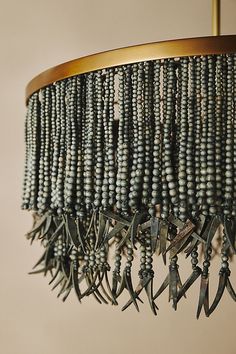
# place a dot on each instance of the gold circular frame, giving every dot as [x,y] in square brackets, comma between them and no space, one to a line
[137,53]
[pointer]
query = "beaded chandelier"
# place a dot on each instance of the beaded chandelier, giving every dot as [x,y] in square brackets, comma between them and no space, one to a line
[131,157]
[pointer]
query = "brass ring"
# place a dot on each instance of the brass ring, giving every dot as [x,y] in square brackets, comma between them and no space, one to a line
[133,54]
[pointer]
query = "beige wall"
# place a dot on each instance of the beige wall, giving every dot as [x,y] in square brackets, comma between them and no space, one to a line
[33,36]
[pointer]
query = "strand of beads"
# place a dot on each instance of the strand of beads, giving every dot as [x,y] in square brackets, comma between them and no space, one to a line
[177,119]
[182,177]
[116,276]
[47,151]
[134,79]
[74,143]
[125,154]
[138,152]
[174,137]
[210,148]
[129,259]
[105,117]
[225,256]
[190,151]
[70,169]
[25,196]
[149,257]
[165,194]
[120,137]
[218,134]
[157,146]
[34,153]
[56,149]
[111,142]
[148,138]
[123,143]
[234,138]
[99,139]
[53,137]
[40,201]
[228,190]
[203,152]
[79,169]
[223,127]
[89,136]
[28,147]
[60,97]
[197,132]
[168,136]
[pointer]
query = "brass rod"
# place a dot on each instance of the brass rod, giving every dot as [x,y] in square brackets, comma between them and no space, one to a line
[215,17]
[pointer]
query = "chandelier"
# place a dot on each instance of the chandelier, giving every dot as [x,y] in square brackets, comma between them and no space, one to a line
[131,157]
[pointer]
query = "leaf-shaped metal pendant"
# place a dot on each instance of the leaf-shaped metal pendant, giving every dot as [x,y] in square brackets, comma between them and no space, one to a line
[61,278]
[80,237]
[100,285]
[71,230]
[163,238]
[154,233]
[37,227]
[43,270]
[63,287]
[57,232]
[95,292]
[47,224]
[67,292]
[92,281]
[230,289]
[144,226]
[149,291]
[116,278]
[162,287]
[135,223]
[122,285]
[101,229]
[116,217]
[90,224]
[211,228]
[137,291]
[230,231]
[129,287]
[115,230]
[113,299]
[41,259]
[134,227]
[184,233]
[221,287]
[190,248]
[125,237]
[204,295]
[193,277]
[75,283]
[57,271]
[174,284]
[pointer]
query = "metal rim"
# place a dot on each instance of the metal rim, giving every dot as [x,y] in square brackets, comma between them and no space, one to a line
[133,54]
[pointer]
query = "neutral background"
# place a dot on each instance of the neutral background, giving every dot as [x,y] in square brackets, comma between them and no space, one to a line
[35,35]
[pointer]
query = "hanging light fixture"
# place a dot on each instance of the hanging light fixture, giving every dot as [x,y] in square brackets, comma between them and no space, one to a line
[156,177]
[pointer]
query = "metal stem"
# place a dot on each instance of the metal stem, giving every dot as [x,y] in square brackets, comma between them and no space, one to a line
[215,17]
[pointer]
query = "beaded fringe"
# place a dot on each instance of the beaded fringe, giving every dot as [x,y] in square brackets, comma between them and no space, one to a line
[157,176]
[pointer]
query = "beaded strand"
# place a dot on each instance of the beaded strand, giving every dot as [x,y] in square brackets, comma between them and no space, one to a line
[157,146]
